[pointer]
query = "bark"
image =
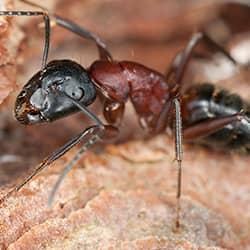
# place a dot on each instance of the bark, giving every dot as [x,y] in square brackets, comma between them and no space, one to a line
[122,197]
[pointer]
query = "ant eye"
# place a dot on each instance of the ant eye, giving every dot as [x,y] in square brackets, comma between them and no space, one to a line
[75,92]
[78,94]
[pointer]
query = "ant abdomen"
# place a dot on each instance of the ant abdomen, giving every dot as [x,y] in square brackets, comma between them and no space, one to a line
[206,101]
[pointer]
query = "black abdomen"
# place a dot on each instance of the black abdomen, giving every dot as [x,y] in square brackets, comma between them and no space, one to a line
[205,101]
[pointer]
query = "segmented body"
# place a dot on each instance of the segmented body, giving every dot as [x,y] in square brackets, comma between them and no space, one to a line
[148,90]
[206,101]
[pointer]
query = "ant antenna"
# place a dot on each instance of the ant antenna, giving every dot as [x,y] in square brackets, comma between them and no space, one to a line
[73,27]
[96,132]
[47,28]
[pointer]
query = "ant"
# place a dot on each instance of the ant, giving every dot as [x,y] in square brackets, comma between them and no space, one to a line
[63,87]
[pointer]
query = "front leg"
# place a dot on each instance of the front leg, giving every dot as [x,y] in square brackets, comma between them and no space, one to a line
[89,137]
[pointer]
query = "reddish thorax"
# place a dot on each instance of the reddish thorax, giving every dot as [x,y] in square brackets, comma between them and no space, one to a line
[145,87]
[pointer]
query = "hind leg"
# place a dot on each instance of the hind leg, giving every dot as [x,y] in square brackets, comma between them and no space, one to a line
[179,64]
[209,126]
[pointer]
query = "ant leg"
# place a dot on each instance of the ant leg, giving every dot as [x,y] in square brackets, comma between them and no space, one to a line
[164,117]
[46,162]
[94,138]
[73,27]
[176,73]
[113,111]
[178,157]
[47,28]
[97,132]
[54,156]
[209,126]
[179,64]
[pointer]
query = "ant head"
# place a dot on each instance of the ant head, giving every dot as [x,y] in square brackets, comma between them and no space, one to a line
[43,98]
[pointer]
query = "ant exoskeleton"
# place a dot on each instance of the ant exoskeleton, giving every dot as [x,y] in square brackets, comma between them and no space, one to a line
[211,115]
[63,87]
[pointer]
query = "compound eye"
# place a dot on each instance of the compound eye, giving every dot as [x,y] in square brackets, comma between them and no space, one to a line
[78,93]
[75,92]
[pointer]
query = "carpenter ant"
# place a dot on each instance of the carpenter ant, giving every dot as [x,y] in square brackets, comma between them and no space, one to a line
[62,87]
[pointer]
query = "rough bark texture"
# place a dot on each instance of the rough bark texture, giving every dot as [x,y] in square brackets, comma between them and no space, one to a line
[10,37]
[123,196]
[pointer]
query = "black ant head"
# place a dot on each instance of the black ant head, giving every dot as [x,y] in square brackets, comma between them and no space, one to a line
[43,98]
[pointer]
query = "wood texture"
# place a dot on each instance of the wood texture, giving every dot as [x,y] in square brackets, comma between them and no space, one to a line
[121,197]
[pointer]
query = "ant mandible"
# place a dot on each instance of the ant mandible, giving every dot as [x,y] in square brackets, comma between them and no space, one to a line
[63,87]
